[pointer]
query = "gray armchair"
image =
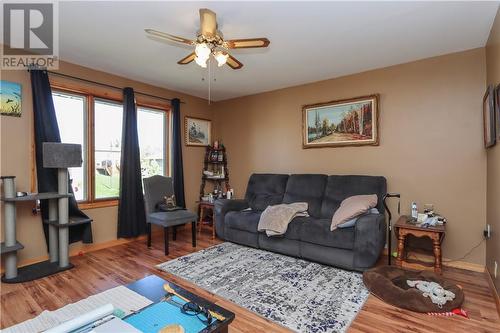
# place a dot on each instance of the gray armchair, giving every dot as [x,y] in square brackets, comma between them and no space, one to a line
[156,188]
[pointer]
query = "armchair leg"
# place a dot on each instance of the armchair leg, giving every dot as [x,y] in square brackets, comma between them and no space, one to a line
[193,233]
[148,226]
[174,233]
[165,234]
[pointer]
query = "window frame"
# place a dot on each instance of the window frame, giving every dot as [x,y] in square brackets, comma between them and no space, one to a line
[90,95]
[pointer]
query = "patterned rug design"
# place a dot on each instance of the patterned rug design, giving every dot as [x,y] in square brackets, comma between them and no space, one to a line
[298,294]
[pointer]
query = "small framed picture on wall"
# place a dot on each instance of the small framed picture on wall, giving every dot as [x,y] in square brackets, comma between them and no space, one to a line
[198,131]
[10,99]
[489,117]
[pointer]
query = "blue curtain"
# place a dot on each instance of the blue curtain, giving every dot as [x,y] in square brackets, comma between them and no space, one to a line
[131,213]
[47,130]
[177,169]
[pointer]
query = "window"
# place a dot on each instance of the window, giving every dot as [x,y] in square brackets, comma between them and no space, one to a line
[96,124]
[107,148]
[71,113]
[152,137]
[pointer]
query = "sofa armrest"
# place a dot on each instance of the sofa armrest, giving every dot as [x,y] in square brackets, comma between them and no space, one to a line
[369,240]
[222,206]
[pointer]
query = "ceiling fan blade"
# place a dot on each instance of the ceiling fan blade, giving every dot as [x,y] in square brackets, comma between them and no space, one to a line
[169,37]
[187,60]
[247,43]
[208,22]
[233,62]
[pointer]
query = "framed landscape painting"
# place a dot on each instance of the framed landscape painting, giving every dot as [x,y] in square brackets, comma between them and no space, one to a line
[198,131]
[10,98]
[489,117]
[349,122]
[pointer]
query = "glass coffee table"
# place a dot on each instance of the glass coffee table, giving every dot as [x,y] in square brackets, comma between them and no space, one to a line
[151,287]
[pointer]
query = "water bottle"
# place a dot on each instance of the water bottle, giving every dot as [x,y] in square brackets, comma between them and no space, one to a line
[414,210]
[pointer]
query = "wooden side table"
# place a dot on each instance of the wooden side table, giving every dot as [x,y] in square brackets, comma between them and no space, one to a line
[203,206]
[436,234]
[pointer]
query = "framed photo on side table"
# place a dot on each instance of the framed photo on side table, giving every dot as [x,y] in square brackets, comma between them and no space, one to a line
[198,131]
[348,122]
[489,117]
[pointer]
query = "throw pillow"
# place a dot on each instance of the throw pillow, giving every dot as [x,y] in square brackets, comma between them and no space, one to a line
[352,207]
[352,222]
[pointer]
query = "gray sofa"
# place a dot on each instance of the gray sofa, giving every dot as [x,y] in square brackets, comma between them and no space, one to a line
[356,248]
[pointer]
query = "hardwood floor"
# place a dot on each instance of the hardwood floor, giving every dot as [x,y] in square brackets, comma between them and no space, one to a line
[122,264]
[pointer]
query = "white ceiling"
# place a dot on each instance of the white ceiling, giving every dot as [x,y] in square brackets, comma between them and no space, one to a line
[309,41]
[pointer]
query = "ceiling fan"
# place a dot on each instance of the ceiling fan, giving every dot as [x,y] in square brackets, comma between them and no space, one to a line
[210,41]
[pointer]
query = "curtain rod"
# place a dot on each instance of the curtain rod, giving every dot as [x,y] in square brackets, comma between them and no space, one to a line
[109,86]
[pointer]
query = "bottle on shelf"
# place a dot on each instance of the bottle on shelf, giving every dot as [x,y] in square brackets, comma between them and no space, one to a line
[414,210]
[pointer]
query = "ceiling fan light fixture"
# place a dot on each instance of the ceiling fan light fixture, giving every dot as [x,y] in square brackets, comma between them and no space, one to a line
[201,62]
[202,51]
[221,58]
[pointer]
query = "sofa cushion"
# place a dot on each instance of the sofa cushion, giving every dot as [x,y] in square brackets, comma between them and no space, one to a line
[317,231]
[294,227]
[244,220]
[265,190]
[339,188]
[306,188]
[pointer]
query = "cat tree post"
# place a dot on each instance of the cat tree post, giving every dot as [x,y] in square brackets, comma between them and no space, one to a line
[9,191]
[62,175]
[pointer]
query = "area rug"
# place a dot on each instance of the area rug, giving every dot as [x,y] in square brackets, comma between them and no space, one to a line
[298,294]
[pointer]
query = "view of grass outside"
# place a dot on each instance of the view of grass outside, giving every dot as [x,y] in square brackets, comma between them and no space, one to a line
[107,186]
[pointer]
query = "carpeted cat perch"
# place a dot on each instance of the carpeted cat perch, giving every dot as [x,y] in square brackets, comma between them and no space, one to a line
[390,284]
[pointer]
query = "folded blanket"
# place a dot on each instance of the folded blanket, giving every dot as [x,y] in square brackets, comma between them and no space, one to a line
[274,220]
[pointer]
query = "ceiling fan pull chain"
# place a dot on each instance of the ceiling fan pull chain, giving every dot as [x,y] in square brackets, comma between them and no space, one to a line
[209,81]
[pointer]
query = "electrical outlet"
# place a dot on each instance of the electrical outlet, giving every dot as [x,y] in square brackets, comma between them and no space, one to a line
[495,270]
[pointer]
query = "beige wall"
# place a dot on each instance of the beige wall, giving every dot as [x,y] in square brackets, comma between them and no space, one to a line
[431,146]
[16,155]
[493,210]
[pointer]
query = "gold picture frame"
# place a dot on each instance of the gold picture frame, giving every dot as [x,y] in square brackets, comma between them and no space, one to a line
[340,123]
[197,131]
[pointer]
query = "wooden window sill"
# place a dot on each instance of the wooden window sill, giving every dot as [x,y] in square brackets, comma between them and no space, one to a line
[98,204]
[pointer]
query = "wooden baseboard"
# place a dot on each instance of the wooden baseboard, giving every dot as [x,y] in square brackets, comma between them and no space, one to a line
[448,263]
[80,250]
[493,289]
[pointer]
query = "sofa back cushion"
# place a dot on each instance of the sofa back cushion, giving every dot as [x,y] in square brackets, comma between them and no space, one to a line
[339,188]
[265,190]
[306,188]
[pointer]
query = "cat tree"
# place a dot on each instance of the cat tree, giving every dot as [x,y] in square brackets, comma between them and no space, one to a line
[55,155]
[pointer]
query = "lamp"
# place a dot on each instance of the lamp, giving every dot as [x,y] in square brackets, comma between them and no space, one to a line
[201,62]
[202,51]
[221,58]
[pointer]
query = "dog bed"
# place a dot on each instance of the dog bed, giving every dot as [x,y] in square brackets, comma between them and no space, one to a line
[389,284]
